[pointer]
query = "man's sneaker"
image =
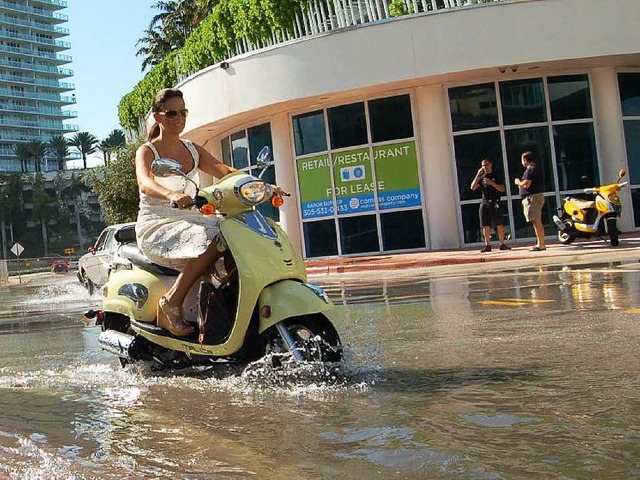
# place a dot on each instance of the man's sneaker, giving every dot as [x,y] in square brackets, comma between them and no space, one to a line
[485,249]
[504,246]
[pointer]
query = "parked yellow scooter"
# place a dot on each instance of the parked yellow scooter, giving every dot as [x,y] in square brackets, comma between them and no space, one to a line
[587,218]
[256,302]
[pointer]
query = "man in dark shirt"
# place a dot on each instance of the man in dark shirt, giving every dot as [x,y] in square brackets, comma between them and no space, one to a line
[531,187]
[490,209]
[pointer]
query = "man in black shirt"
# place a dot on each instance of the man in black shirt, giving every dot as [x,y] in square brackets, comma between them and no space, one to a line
[490,209]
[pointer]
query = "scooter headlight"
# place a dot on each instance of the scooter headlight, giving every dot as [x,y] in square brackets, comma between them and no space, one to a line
[254,192]
[614,198]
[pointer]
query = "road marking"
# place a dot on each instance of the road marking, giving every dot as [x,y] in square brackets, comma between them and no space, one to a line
[514,302]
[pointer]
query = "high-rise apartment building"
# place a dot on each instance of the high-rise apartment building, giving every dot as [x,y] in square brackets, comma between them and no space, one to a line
[32,90]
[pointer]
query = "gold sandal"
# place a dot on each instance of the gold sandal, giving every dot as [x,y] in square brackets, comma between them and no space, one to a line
[170,318]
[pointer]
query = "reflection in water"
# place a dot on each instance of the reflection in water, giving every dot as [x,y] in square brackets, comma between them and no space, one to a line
[513,374]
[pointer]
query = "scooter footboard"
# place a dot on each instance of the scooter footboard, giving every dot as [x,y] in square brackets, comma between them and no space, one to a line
[289,298]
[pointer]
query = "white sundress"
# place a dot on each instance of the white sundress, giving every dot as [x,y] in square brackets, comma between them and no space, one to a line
[171,236]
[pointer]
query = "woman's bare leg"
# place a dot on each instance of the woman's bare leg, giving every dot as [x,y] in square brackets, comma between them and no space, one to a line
[193,269]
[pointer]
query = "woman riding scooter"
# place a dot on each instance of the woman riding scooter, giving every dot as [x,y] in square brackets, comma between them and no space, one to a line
[184,240]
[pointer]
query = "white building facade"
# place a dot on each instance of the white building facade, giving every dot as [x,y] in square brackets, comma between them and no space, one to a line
[377,130]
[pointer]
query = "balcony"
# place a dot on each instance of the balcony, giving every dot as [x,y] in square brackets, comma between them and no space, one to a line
[35,53]
[5,92]
[35,39]
[19,123]
[46,27]
[41,12]
[37,67]
[43,111]
[54,3]
[42,82]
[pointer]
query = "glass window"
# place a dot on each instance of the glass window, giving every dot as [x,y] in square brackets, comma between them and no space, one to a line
[347,125]
[226,152]
[390,118]
[260,136]
[402,230]
[521,140]
[309,133]
[473,107]
[320,238]
[576,157]
[240,150]
[471,231]
[470,150]
[632,140]
[359,234]
[523,101]
[569,97]
[524,229]
[635,200]
[629,84]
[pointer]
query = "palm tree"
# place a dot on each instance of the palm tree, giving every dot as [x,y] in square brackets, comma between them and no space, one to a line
[59,148]
[37,152]
[86,144]
[10,206]
[74,187]
[22,153]
[169,29]
[42,202]
[114,141]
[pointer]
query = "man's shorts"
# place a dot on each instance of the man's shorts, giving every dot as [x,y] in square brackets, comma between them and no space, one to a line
[532,206]
[490,214]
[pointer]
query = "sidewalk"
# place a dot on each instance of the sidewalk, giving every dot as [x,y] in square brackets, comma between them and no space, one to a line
[583,250]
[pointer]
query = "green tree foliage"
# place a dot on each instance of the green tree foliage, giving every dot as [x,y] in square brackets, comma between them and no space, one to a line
[37,152]
[110,145]
[86,144]
[22,153]
[116,187]
[59,148]
[212,41]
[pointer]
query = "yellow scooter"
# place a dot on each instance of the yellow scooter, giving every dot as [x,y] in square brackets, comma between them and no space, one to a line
[257,300]
[587,218]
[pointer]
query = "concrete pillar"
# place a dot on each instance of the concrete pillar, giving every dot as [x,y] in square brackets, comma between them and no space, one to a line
[437,167]
[286,178]
[610,134]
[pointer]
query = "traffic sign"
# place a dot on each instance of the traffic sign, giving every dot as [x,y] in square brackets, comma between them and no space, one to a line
[69,251]
[17,249]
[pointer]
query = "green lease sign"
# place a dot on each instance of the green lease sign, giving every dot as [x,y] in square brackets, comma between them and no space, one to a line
[314,177]
[353,180]
[397,175]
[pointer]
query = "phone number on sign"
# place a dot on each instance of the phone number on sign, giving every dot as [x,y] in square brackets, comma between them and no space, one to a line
[317,212]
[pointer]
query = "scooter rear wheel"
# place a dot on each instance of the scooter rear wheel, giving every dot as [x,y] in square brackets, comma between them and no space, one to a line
[565,238]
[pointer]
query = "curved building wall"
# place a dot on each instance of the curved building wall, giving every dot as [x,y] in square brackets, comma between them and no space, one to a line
[536,61]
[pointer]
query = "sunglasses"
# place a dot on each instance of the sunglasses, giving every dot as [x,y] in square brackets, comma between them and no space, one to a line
[174,113]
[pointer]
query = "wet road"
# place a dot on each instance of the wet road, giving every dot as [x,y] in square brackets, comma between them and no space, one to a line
[532,373]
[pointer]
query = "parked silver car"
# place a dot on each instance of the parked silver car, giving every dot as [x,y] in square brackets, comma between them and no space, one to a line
[94,266]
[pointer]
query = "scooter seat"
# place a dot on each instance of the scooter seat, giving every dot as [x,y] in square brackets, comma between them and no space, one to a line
[132,252]
[582,204]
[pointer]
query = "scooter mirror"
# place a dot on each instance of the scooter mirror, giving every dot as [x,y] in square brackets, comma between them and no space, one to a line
[263,160]
[622,172]
[165,167]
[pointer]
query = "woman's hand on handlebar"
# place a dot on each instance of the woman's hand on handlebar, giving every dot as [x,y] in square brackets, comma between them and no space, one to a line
[180,200]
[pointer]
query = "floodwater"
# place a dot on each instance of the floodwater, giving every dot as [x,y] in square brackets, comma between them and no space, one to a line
[521,374]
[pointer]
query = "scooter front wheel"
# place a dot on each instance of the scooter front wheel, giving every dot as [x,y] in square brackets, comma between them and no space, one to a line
[565,238]
[315,338]
[612,230]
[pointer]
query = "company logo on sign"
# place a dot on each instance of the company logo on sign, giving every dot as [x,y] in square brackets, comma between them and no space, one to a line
[350,174]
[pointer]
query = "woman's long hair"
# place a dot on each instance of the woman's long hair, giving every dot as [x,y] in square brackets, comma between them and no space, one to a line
[161,97]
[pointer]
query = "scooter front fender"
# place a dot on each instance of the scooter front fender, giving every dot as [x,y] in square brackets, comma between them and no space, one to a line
[289,298]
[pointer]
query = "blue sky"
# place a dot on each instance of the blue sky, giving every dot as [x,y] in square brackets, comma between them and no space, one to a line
[103,36]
